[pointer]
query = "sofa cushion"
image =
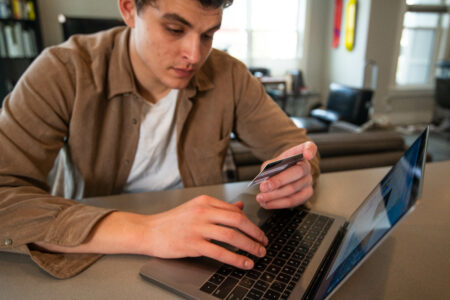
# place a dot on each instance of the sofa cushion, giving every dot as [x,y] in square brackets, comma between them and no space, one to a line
[361,161]
[345,143]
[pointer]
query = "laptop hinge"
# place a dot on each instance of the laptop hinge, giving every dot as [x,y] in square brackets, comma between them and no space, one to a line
[324,265]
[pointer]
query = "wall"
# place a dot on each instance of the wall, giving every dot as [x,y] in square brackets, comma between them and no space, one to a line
[50,9]
[316,43]
[347,67]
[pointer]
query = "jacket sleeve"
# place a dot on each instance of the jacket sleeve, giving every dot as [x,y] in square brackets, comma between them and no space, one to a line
[261,124]
[34,122]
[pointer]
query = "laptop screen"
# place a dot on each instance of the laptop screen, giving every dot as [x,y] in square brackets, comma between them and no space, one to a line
[384,207]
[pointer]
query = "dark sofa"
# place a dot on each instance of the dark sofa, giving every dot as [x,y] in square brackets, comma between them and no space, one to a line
[339,151]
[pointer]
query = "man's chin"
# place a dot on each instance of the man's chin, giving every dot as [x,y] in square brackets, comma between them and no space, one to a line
[179,84]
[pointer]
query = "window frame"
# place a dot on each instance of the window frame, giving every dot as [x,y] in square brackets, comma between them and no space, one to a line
[441,44]
[301,35]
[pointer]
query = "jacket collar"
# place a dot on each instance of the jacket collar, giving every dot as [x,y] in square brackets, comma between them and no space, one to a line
[121,78]
[120,72]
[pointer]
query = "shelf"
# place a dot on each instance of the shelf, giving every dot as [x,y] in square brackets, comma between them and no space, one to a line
[12,68]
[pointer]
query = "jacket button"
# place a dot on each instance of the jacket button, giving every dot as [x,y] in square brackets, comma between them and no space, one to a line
[134,121]
[8,242]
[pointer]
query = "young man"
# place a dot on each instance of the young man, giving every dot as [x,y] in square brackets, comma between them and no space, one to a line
[141,108]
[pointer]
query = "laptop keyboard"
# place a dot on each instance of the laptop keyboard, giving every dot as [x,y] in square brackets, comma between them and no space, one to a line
[294,236]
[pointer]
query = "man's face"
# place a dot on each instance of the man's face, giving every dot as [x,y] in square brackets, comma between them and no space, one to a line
[171,41]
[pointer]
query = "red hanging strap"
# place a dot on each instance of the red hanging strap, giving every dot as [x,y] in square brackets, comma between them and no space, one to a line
[337,23]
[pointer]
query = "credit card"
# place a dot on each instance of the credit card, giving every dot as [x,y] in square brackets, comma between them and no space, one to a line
[276,167]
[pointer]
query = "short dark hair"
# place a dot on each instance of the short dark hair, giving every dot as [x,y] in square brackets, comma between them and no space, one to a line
[205,3]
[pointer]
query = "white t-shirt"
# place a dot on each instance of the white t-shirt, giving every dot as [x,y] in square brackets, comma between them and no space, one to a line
[155,166]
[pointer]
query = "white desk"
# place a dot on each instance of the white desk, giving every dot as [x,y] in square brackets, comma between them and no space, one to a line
[413,263]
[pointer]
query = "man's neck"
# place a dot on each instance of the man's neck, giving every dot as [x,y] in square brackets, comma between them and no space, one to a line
[152,96]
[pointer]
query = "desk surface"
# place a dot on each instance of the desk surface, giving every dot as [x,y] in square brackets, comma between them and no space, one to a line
[413,263]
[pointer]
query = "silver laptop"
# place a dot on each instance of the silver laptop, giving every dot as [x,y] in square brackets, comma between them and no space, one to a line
[310,254]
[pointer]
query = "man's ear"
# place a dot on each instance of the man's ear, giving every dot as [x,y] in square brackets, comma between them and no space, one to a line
[128,11]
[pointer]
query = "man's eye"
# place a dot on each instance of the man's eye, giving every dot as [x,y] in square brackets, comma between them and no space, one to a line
[175,31]
[207,37]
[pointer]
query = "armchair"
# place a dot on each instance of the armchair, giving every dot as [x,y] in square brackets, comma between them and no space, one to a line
[345,105]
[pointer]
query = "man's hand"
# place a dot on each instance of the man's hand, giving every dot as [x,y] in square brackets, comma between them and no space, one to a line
[188,230]
[184,231]
[294,185]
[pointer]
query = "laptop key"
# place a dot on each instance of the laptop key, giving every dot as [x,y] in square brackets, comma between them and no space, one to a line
[272,235]
[271,253]
[285,295]
[253,274]
[285,235]
[225,270]
[208,287]
[293,263]
[298,256]
[293,243]
[275,247]
[247,282]
[216,279]
[289,270]
[279,262]
[226,287]
[284,278]
[261,285]
[273,269]
[278,286]
[255,294]
[237,294]
[268,277]
[289,230]
[289,248]
[238,273]
[284,255]
[260,266]
[265,260]
[272,295]
[280,241]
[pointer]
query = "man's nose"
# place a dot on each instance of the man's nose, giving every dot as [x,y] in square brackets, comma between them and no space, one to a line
[191,50]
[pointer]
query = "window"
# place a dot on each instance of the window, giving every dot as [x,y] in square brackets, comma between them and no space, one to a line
[423,41]
[264,33]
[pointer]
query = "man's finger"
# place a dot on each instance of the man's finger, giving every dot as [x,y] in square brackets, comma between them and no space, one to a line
[289,175]
[294,200]
[286,190]
[223,255]
[239,204]
[309,150]
[238,221]
[234,238]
